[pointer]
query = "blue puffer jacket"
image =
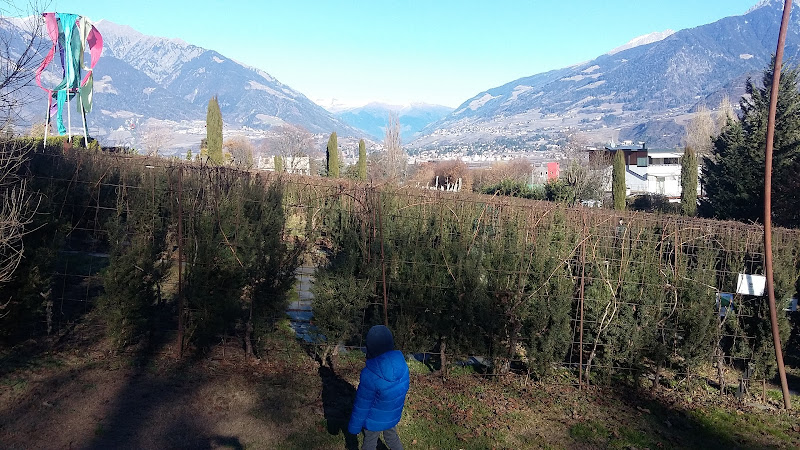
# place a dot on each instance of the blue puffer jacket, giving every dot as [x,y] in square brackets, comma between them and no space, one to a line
[383,386]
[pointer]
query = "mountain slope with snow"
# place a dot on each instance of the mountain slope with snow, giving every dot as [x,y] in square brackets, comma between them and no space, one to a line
[145,78]
[643,40]
[619,94]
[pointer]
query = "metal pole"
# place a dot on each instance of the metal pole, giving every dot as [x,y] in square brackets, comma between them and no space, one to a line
[47,120]
[83,116]
[69,119]
[180,262]
[773,105]
[583,283]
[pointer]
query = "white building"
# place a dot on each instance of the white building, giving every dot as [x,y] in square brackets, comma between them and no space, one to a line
[291,164]
[651,171]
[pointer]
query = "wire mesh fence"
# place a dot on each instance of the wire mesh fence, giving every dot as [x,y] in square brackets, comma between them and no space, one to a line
[205,256]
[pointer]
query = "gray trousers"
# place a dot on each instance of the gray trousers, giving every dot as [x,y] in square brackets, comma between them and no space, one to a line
[390,438]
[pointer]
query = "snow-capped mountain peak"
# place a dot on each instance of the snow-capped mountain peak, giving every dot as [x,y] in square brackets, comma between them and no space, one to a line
[156,56]
[153,78]
[771,3]
[641,91]
[643,40]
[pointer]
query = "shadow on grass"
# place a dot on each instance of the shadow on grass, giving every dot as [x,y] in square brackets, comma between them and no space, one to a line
[118,424]
[136,402]
[338,396]
[187,435]
[28,355]
[636,418]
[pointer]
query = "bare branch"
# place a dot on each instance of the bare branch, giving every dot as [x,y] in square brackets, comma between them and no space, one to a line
[293,144]
[396,158]
[155,137]
[21,50]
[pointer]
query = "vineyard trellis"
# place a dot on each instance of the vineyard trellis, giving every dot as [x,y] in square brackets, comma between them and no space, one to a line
[518,285]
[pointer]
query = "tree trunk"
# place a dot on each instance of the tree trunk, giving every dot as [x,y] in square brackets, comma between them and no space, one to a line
[248,334]
[657,377]
[721,371]
[588,370]
[443,356]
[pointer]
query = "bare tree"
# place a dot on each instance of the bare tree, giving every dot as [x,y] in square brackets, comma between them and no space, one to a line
[293,144]
[37,130]
[725,113]
[588,177]
[19,44]
[518,170]
[240,150]
[699,131]
[155,137]
[396,158]
[451,175]
[587,174]
[16,209]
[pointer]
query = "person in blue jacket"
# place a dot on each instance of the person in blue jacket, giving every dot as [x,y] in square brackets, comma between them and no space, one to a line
[381,392]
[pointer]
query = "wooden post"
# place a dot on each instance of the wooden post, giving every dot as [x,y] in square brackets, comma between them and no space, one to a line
[383,264]
[583,284]
[180,263]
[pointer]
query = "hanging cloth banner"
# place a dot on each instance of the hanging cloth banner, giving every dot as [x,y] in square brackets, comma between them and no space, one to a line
[92,38]
[72,35]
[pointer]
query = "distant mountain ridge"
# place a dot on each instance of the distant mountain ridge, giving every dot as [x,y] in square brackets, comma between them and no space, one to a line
[373,117]
[148,77]
[642,93]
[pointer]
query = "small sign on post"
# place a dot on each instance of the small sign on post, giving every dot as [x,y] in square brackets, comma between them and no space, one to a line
[725,303]
[751,284]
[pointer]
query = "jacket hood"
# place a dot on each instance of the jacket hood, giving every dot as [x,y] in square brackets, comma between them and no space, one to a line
[379,341]
[391,366]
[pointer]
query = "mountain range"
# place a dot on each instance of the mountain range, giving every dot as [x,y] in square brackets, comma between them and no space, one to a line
[145,78]
[643,92]
[373,117]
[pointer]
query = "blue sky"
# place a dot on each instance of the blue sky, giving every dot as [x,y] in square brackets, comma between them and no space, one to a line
[432,51]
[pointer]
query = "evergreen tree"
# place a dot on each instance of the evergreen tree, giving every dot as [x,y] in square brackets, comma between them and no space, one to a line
[189,155]
[362,160]
[332,156]
[618,181]
[214,131]
[733,177]
[278,163]
[689,182]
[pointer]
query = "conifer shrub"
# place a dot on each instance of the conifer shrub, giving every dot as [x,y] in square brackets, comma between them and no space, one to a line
[138,264]
[499,280]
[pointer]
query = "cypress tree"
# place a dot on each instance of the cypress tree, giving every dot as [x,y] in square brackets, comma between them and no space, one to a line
[278,164]
[332,155]
[362,160]
[214,131]
[689,182]
[618,181]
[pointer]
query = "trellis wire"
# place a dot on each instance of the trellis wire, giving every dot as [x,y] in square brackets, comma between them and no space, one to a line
[308,193]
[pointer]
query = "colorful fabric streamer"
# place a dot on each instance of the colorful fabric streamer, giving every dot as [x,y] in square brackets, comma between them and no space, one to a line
[72,35]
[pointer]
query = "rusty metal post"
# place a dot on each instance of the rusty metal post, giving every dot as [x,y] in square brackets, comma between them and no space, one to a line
[583,284]
[180,263]
[773,105]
